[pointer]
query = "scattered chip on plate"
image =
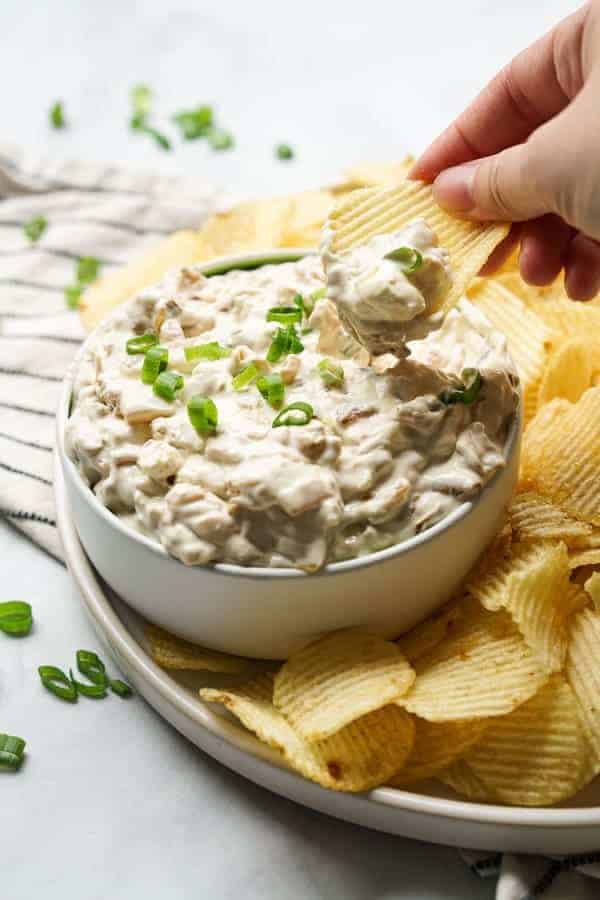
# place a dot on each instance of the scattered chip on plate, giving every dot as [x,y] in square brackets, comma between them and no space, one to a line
[424,637]
[535,518]
[461,778]
[583,674]
[535,437]
[339,678]
[172,652]
[531,582]
[592,588]
[568,372]
[436,746]
[536,756]
[361,756]
[484,668]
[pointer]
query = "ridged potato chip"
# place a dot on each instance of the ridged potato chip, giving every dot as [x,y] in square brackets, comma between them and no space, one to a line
[484,668]
[359,757]
[535,518]
[592,589]
[424,637]
[535,438]
[568,372]
[337,679]
[371,211]
[461,778]
[568,473]
[579,557]
[172,652]
[583,674]
[531,582]
[374,174]
[529,338]
[536,756]
[436,746]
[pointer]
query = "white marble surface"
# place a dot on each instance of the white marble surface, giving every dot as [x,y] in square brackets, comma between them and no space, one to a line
[112,803]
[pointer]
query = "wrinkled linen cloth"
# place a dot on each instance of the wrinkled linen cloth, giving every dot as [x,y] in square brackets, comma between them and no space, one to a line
[111,213]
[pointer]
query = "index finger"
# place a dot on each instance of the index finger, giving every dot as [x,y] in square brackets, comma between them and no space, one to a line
[531,89]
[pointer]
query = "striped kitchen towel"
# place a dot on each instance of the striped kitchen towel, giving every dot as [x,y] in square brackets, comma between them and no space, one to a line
[105,211]
[112,213]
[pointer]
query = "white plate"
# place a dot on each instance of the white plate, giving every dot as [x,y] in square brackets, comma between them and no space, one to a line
[431,816]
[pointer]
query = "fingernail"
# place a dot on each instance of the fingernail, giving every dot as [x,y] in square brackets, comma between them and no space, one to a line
[454,188]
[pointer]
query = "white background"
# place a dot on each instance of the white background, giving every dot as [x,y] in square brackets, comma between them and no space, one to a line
[112,803]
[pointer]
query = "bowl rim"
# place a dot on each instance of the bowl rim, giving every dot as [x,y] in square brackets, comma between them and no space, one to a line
[219,266]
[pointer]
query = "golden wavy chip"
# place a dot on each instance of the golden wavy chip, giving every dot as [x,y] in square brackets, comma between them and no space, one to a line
[373,174]
[339,678]
[461,778]
[568,372]
[535,518]
[361,756]
[579,557]
[592,589]
[365,213]
[536,756]
[536,436]
[428,634]
[531,582]
[437,745]
[583,674]
[484,668]
[568,473]
[172,652]
[529,338]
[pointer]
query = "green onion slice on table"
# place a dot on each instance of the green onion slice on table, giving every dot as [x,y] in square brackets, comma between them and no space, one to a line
[15,618]
[167,384]
[120,688]
[141,343]
[155,362]
[272,389]
[203,414]
[11,751]
[213,350]
[245,377]
[59,684]
[298,413]
[90,665]
[97,691]
[410,259]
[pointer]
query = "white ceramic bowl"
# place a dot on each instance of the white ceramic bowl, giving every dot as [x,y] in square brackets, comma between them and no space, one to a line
[261,612]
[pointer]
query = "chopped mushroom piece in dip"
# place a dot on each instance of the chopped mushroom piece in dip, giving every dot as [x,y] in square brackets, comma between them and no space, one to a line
[372,451]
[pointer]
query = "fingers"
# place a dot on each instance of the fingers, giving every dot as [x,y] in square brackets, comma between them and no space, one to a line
[532,89]
[544,244]
[582,268]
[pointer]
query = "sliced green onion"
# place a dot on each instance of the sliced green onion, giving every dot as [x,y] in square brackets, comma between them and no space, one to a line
[220,139]
[167,384]
[59,684]
[155,362]
[307,304]
[272,389]
[203,414]
[410,259]
[141,343]
[35,228]
[120,687]
[57,115]
[331,373]
[468,393]
[284,151]
[157,136]
[286,341]
[15,618]
[286,315]
[90,665]
[97,691]
[194,123]
[297,413]
[141,100]
[73,294]
[87,269]
[212,351]
[11,751]
[245,377]
[318,295]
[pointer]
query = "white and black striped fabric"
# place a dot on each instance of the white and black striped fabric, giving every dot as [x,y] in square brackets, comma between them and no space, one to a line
[104,211]
[112,213]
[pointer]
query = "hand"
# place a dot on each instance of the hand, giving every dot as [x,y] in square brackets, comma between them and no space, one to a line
[527,150]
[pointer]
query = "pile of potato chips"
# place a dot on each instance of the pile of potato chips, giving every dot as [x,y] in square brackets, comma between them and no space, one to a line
[498,695]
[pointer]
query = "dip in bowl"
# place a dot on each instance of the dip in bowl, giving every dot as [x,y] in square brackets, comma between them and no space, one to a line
[280,483]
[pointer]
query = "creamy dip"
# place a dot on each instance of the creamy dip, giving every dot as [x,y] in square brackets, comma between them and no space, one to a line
[381,458]
[384,301]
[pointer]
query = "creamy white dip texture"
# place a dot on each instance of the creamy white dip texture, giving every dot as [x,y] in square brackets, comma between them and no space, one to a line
[382,458]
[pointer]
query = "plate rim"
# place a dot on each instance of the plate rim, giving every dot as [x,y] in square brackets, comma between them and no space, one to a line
[105,618]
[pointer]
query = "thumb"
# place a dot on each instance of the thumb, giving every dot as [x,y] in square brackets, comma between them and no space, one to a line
[506,186]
